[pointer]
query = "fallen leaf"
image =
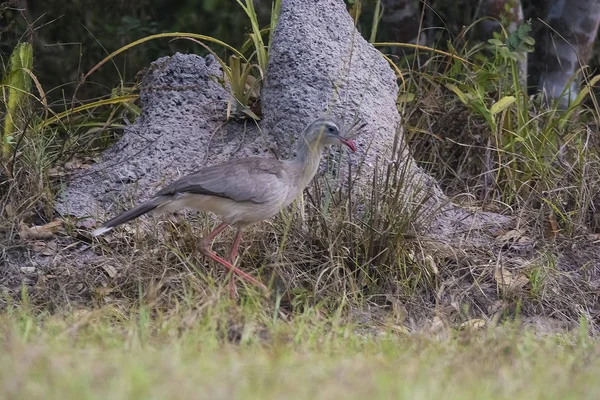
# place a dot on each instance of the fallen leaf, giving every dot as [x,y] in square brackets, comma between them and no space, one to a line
[551,229]
[495,307]
[75,163]
[68,167]
[594,236]
[37,246]
[510,236]
[56,173]
[9,210]
[110,270]
[473,324]
[86,223]
[39,231]
[438,325]
[497,232]
[250,84]
[103,291]
[82,313]
[508,281]
[431,264]
[492,207]
[44,248]
[399,329]
[524,240]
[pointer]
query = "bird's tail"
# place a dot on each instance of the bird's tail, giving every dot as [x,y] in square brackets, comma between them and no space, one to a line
[129,215]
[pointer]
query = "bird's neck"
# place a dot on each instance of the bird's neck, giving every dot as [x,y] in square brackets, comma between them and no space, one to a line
[308,158]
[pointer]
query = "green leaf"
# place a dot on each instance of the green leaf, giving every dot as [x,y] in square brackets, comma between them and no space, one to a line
[502,104]
[504,52]
[524,30]
[513,42]
[520,41]
[406,98]
[461,95]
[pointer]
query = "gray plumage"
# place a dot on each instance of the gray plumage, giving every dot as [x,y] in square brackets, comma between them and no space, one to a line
[246,190]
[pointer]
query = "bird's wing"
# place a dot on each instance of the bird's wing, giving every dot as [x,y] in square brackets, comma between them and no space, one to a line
[254,179]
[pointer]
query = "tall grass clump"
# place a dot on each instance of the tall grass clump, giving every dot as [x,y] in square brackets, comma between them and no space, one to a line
[498,142]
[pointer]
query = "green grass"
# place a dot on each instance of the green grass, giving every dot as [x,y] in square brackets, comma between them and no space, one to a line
[103,354]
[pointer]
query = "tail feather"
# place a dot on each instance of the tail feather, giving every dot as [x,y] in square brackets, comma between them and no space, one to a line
[129,215]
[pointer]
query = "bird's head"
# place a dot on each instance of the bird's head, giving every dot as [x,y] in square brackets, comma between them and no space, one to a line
[326,132]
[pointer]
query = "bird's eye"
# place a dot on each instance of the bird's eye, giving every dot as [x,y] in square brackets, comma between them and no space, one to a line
[330,129]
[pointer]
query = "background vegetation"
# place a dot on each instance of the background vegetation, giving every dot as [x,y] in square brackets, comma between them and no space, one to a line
[69,40]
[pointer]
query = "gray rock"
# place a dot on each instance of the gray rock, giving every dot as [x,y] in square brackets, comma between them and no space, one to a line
[180,130]
[319,64]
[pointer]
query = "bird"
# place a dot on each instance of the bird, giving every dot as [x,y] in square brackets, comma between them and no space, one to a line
[243,191]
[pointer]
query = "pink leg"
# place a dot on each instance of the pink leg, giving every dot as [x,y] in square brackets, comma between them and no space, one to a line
[232,256]
[205,249]
[215,232]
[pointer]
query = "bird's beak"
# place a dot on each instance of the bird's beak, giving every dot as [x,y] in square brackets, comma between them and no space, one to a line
[350,143]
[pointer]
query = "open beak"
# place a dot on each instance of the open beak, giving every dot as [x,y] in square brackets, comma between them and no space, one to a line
[350,143]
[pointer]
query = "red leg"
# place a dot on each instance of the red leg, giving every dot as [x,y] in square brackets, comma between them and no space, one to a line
[204,248]
[236,244]
[215,232]
[232,256]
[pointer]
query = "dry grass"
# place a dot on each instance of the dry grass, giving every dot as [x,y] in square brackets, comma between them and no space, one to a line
[361,254]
